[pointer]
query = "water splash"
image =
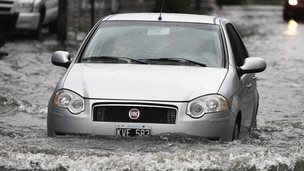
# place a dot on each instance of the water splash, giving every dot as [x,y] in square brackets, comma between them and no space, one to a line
[9,103]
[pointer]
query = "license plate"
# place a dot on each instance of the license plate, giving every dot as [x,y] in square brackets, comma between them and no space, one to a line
[129,132]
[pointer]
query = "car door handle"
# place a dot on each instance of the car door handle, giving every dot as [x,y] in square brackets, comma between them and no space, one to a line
[254,77]
[249,85]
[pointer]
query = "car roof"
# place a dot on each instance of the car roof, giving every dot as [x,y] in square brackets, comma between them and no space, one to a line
[169,17]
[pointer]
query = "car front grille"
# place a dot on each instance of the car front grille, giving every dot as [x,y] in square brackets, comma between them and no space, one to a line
[148,113]
[6,5]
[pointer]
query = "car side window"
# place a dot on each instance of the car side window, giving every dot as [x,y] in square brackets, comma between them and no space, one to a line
[239,50]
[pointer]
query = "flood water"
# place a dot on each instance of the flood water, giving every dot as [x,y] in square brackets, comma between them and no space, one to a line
[27,79]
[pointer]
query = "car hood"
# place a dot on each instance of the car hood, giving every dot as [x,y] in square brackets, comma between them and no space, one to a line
[143,82]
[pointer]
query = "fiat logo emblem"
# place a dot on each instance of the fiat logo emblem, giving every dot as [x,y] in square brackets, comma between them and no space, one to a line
[134,114]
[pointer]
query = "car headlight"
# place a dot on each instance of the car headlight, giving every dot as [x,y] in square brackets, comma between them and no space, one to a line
[24,6]
[207,104]
[293,2]
[69,100]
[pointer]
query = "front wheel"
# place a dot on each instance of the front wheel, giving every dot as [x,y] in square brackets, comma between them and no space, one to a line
[236,131]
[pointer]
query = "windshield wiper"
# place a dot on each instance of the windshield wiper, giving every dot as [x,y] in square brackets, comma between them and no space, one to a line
[111,59]
[178,60]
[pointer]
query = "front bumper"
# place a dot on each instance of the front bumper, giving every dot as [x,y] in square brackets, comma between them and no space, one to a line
[213,126]
[22,21]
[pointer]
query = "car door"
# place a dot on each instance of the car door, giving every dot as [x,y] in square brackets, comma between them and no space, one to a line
[246,81]
[51,7]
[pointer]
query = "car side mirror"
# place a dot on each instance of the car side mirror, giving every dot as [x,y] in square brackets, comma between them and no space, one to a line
[252,65]
[61,58]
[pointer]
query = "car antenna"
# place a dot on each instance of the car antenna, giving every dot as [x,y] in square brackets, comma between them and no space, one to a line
[161,10]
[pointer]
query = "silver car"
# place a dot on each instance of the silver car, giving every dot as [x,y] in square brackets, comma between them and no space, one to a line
[28,14]
[142,75]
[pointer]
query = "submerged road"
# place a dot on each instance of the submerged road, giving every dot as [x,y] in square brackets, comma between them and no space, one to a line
[27,80]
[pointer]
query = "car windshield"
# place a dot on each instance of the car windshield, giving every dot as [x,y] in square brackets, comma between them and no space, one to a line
[161,43]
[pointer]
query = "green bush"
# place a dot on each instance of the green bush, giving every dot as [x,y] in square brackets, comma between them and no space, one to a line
[173,6]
